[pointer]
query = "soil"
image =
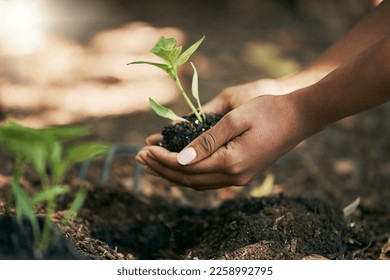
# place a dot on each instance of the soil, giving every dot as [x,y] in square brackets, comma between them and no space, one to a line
[116,224]
[301,216]
[179,135]
[245,228]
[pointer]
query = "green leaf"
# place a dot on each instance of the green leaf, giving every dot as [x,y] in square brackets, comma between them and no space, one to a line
[26,144]
[169,56]
[195,91]
[65,132]
[55,162]
[164,112]
[187,53]
[164,43]
[40,147]
[166,49]
[162,66]
[49,194]
[194,88]
[85,151]
[57,133]
[24,207]
[166,68]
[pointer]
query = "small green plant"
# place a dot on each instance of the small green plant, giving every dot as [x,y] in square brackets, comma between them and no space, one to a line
[43,150]
[173,57]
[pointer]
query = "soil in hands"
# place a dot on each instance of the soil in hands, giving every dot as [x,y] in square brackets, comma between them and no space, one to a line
[177,136]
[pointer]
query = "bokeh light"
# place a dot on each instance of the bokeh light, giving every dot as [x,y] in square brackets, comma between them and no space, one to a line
[21,24]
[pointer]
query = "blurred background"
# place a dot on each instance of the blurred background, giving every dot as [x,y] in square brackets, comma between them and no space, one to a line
[65,62]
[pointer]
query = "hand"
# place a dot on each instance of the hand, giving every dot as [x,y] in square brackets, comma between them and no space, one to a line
[233,97]
[241,146]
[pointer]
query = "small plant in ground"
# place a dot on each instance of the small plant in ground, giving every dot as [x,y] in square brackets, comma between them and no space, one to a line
[177,136]
[174,58]
[43,150]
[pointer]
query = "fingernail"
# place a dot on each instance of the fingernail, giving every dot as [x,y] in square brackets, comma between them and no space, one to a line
[186,156]
[140,159]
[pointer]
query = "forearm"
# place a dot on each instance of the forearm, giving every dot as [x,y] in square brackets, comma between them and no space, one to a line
[359,85]
[370,30]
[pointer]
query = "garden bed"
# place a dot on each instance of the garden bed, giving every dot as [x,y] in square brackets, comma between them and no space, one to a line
[119,223]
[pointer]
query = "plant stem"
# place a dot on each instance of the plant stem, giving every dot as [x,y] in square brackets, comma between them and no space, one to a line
[46,232]
[177,81]
[48,183]
[201,110]
[18,171]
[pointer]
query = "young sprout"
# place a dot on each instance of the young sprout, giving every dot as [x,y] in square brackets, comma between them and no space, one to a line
[43,150]
[173,57]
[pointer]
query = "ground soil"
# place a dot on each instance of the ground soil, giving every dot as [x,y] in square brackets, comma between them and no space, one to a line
[283,228]
[116,223]
[129,217]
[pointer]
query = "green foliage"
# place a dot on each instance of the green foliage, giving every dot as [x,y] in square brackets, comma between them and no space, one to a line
[24,208]
[173,57]
[76,205]
[194,89]
[43,150]
[164,112]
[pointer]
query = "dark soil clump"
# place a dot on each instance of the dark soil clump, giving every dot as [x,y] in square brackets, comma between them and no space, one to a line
[272,228]
[177,136]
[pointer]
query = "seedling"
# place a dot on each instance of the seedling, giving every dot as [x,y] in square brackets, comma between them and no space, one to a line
[174,58]
[43,150]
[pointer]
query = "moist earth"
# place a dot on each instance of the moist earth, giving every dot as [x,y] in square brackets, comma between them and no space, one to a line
[275,227]
[116,223]
[177,136]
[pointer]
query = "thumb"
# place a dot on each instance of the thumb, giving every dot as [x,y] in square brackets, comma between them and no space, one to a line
[208,142]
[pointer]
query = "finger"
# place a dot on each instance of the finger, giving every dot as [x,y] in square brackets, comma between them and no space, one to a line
[195,181]
[223,168]
[157,151]
[219,105]
[140,159]
[154,139]
[160,154]
[215,163]
[151,171]
[207,143]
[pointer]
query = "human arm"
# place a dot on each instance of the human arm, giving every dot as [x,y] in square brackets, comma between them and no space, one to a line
[370,30]
[373,28]
[254,135]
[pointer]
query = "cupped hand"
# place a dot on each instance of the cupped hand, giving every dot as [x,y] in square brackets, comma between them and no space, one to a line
[241,146]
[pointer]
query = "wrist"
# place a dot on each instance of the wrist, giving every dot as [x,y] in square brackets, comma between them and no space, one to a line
[309,117]
[305,77]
